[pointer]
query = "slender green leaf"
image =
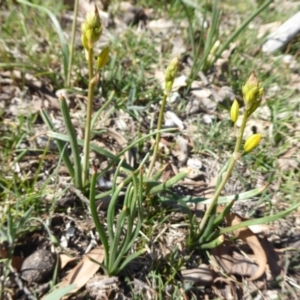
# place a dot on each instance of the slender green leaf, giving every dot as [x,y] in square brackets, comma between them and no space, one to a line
[208,229]
[260,220]
[73,142]
[221,200]
[130,258]
[163,186]
[223,214]
[111,213]
[116,248]
[60,293]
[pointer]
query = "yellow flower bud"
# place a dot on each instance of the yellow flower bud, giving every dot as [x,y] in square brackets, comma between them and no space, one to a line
[103,58]
[253,108]
[91,28]
[234,111]
[92,19]
[215,47]
[84,41]
[252,91]
[171,73]
[252,142]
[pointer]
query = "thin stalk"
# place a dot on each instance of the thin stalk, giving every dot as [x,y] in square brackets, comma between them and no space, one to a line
[71,49]
[87,136]
[241,28]
[159,125]
[235,156]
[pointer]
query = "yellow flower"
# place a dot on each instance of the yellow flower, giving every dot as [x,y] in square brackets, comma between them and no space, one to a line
[234,111]
[252,142]
[91,28]
[252,91]
[171,73]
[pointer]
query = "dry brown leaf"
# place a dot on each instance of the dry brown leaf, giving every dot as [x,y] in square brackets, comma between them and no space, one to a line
[223,257]
[243,265]
[168,173]
[275,261]
[16,261]
[225,289]
[231,261]
[286,162]
[85,270]
[235,263]
[247,236]
[65,259]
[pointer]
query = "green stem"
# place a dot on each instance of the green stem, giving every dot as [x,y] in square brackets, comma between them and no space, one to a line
[71,51]
[87,136]
[235,156]
[159,125]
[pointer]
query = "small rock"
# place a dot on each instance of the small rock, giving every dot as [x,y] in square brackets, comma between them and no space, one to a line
[38,266]
[200,92]
[101,286]
[172,120]
[226,92]
[297,221]
[263,113]
[173,98]
[192,173]
[273,90]
[179,82]
[206,119]
[194,162]
[287,59]
[272,294]
[193,106]
[290,61]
